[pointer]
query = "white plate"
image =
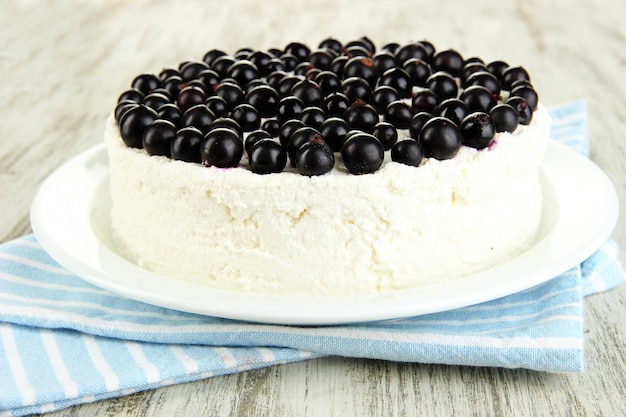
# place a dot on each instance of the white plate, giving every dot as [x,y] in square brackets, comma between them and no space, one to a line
[70,217]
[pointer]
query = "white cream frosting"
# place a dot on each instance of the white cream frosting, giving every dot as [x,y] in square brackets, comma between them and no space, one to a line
[397,228]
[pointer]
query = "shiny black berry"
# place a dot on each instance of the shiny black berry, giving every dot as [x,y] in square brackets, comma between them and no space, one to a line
[263,98]
[247,117]
[417,123]
[243,71]
[527,93]
[271,126]
[418,70]
[332,44]
[122,107]
[228,123]
[190,70]
[171,113]
[253,137]
[453,109]
[198,116]
[504,117]
[186,145]
[267,156]
[399,79]
[156,100]
[321,59]
[478,98]
[146,83]
[424,101]
[289,107]
[298,138]
[512,74]
[334,131]
[440,138]
[335,104]
[217,105]
[362,153]
[221,65]
[298,49]
[407,152]
[221,148]
[443,85]
[131,95]
[133,122]
[328,81]
[158,136]
[386,133]
[361,67]
[477,130]
[524,110]
[449,61]
[286,129]
[231,93]
[497,68]
[411,50]
[314,157]
[362,116]
[485,79]
[384,60]
[399,114]
[356,87]
[312,116]
[308,91]
[189,97]
[212,55]
[382,96]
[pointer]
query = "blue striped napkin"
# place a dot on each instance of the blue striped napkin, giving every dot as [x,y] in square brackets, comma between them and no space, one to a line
[64,341]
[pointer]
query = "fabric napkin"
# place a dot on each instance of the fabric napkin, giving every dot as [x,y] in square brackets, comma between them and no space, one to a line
[64,341]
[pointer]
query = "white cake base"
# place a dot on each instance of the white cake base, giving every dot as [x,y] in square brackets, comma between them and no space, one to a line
[399,227]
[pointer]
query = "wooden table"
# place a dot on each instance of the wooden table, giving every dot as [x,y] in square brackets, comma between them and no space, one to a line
[63,64]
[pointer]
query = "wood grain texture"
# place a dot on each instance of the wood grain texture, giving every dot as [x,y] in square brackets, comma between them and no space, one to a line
[63,64]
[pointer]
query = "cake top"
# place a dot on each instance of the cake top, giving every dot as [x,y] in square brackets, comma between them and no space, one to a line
[300,106]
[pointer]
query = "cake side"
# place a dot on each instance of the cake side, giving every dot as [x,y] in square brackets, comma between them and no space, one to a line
[332,234]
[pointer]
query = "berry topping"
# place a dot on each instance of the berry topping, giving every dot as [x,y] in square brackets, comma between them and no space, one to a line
[440,138]
[247,117]
[303,104]
[314,157]
[362,153]
[198,116]
[399,114]
[477,130]
[267,156]
[253,137]
[407,152]
[399,79]
[478,98]
[524,110]
[504,117]
[386,133]
[443,85]
[133,122]
[186,145]
[158,136]
[146,83]
[221,148]
[361,115]
[298,138]
[334,131]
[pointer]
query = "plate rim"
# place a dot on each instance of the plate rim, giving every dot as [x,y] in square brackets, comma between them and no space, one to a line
[287,309]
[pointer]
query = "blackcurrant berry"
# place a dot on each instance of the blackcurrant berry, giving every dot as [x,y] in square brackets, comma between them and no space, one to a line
[440,138]
[133,122]
[158,136]
[386,133]
[314,157]
[267,156]
[362,153]
[221,148]
[186,145]
[504,117]
[477,130]
[524,110]
[334,131]
[407,152]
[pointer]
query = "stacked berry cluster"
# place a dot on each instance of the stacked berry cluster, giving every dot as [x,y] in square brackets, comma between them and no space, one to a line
[304,105]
